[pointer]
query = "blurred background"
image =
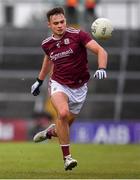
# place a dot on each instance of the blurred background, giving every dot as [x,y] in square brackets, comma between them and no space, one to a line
[111,113]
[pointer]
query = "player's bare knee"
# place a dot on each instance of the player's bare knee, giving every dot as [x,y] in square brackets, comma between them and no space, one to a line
[64,113]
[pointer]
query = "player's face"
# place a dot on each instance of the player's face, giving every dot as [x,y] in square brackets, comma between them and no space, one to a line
[57,24]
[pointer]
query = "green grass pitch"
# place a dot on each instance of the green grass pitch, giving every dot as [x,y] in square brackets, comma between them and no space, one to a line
[44,161]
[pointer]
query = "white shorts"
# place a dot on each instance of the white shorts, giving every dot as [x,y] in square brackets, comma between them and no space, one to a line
[76,96]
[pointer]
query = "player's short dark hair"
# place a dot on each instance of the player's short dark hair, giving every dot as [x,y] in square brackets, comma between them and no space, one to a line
[55,11]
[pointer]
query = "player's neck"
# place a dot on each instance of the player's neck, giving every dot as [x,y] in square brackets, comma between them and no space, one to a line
[57,37]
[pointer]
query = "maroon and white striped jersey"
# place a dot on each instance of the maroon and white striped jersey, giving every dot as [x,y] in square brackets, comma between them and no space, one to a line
[69,57]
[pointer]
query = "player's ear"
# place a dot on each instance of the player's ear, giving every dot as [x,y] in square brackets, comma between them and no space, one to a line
[65,19]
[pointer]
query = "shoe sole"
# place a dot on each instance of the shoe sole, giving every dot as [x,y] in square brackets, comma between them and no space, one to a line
[42,132]
[72,165]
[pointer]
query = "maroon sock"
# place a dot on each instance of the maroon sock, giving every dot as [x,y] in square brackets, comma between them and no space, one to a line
[65,150]
[51,133]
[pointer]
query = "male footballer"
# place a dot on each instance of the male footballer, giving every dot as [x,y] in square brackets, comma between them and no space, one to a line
[66,51]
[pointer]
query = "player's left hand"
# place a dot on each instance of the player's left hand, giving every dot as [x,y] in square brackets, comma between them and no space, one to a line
[100,74]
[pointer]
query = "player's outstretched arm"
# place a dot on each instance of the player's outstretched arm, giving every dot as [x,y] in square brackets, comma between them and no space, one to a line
[102,58]
[46,68]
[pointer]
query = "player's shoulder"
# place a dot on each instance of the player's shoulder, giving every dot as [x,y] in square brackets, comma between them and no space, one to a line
[75,31]
[72,30]
[48,39]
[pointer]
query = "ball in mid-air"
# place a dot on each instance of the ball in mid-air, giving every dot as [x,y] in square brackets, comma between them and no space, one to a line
[102,28]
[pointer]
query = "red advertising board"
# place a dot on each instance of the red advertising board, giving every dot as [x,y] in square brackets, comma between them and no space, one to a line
[13,130]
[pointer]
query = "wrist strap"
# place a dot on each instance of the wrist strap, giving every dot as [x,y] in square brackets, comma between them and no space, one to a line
[101,68]
[39,80]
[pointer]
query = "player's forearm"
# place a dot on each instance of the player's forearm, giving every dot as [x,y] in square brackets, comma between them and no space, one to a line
[99,51]
[46,67]
[102,58]
[43,73]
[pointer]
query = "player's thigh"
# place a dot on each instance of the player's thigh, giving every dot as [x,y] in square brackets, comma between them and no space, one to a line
[60,101]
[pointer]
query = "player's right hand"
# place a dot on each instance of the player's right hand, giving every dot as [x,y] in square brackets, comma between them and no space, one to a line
[35,87]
